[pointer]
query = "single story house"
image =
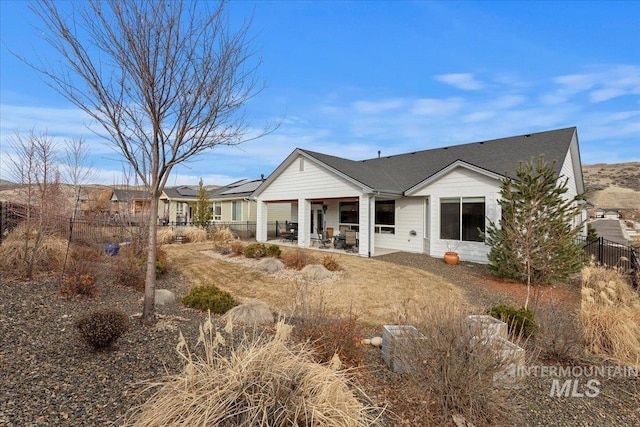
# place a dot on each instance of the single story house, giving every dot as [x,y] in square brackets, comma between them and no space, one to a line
[175,205]
[233,203]
[229,204]
[427,201]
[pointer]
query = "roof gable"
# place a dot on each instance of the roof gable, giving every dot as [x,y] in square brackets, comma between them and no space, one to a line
[446,170]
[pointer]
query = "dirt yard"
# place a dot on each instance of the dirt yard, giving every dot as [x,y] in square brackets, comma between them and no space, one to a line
[48,377]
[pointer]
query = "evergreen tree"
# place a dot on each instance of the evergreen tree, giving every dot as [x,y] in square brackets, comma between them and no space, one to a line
[535,241]
[202,211]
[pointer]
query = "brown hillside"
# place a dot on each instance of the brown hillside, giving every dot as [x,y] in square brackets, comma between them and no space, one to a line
[615,185]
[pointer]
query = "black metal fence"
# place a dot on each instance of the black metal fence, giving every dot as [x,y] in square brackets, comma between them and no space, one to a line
[612,255]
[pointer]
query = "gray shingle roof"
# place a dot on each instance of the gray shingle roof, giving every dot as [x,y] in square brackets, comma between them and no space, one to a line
[501,156]
[123,195]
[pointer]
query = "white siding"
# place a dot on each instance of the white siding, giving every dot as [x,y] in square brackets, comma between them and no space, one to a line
[310,183]
[567,171]
[409,215]
[460,182]
[279,212]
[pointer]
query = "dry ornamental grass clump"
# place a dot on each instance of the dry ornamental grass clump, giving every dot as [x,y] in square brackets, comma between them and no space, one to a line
[195,234]
[258,382]
[166,235]
[20,248]
[610,316]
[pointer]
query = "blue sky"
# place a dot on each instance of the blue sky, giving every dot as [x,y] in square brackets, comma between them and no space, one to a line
[352,78]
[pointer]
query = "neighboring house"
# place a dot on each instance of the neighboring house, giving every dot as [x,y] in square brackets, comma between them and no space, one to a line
[130,205]
[230,203]
[175,205]
[424,202]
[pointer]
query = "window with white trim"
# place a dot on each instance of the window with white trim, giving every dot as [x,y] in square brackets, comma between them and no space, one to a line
[236,211]
[217,211]
[462,218]
[385,216]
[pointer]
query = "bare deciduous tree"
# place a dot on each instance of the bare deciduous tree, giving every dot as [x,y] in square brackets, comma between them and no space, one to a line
[164,79]
[33,165]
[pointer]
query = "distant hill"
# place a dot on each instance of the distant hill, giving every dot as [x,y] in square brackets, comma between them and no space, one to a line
[613,185]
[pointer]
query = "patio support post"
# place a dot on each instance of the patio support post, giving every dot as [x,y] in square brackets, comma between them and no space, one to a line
[365,233]
[261,221]
[304,213]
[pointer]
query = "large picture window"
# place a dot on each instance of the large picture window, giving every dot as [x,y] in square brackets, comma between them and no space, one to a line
[385,216]
[462,218]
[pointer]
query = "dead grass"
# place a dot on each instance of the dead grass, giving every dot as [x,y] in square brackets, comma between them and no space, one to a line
[196,235]
[373,290]
[166,235]
[610,316]
[256,382]
[17,252]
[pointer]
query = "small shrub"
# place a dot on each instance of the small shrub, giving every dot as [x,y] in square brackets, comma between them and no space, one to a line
[331,263]
[273,251]
[333,335]
[297,259]
[255,250]
[78,285]
[101,328]
[211,297]
[453,370]
[327,332]
[520,322]
[195,234]
[127,270]
[559,336]
[237,247]
[83,261]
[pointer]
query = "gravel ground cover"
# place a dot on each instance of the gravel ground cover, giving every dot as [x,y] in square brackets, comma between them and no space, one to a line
[49,377]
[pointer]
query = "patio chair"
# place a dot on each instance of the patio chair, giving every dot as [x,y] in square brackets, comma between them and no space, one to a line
[284,234]
[350,241]
[324,239]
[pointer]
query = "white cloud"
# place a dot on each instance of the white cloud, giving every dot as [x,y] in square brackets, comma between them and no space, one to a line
[464,81]
[437,107]
[368,107]
[478,116]
[600,84]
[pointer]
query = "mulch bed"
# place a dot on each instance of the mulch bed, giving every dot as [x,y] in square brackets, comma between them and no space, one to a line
[49,377]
